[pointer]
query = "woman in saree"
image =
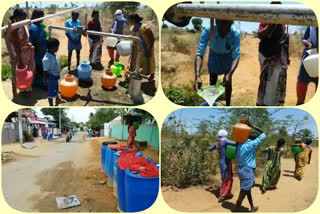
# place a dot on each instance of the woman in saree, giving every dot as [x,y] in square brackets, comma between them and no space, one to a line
[272,170]
[302,158]
[144,32]
[132,134]
[22,49]
[225,164]
[38,40]
[95,42]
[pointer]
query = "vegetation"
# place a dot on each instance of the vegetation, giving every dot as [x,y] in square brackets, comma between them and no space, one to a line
[53,8]
[184,150]
[55,113]
[124,6]
[184,95]
[197,24]
[63,61]
[6,72]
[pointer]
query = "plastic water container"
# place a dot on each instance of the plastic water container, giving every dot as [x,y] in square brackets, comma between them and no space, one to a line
[121,188]
[231,152]
[110,167]
[311,63]
[112,42]
[124,48]
[115,174]
[241,132]
[104,147]
[140,192]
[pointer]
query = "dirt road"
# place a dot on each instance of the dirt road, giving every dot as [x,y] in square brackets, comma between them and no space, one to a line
[291,196]
[31,184]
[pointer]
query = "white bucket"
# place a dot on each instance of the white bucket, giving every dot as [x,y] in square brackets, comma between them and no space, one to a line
[311,63]
[124,48]
[112,42]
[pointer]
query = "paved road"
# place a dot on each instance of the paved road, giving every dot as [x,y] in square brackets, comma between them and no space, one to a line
[19,178]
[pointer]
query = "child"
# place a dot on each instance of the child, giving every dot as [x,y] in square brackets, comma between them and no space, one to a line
[246,155]
[51,69]
[303,158]
[272,170]
[225,164]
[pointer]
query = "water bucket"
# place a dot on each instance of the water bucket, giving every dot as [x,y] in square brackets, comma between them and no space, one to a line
[295,149]
[135,85]
[124,48]
[112,42]
[311,63]
[211,93]
[231,152]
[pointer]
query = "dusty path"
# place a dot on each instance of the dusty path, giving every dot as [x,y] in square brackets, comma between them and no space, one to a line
[63,169]
[291,195]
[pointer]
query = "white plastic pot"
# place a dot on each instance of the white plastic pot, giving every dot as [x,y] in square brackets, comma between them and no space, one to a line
[124,48]
[311,63]
[112,42]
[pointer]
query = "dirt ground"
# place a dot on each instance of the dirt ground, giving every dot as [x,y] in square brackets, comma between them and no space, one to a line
[245,79]
[291,196]
[56,169]
[91,94]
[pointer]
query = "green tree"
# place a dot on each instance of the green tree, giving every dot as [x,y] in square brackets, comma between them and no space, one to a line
[306,133]
[127,8]
[55,113]
[53,8]
[197,23]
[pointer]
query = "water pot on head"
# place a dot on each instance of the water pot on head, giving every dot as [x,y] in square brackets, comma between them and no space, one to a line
[241,131]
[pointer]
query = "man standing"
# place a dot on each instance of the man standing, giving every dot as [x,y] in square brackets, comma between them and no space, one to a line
[224,55]
[74,40]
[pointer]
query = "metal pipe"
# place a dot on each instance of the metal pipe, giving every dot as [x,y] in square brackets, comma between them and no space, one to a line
[270,13]
[29,21]
[97,33]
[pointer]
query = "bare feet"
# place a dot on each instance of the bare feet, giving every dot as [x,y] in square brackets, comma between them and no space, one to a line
[254,209]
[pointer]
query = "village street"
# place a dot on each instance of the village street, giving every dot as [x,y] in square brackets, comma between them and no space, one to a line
[56,168]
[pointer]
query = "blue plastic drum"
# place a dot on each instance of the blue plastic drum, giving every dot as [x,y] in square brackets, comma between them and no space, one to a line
[140,192]
[104,147]
[109,166]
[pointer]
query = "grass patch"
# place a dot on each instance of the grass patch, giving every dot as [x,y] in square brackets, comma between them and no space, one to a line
[63,61]
[184,95]
[6,72]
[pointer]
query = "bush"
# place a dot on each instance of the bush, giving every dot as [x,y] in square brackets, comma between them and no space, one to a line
[180,45]
[6,72]
[185,95]
[186,161]
[52,8]
[63,61]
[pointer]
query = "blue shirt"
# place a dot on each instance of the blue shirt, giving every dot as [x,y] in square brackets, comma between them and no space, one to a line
[118,29]
[311,34]
[72,24]
[37,32]
[246,152]
[219,45]
[51,64]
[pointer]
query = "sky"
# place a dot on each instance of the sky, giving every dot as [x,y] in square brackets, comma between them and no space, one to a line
[189,116]
[75,114]
[248,27]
